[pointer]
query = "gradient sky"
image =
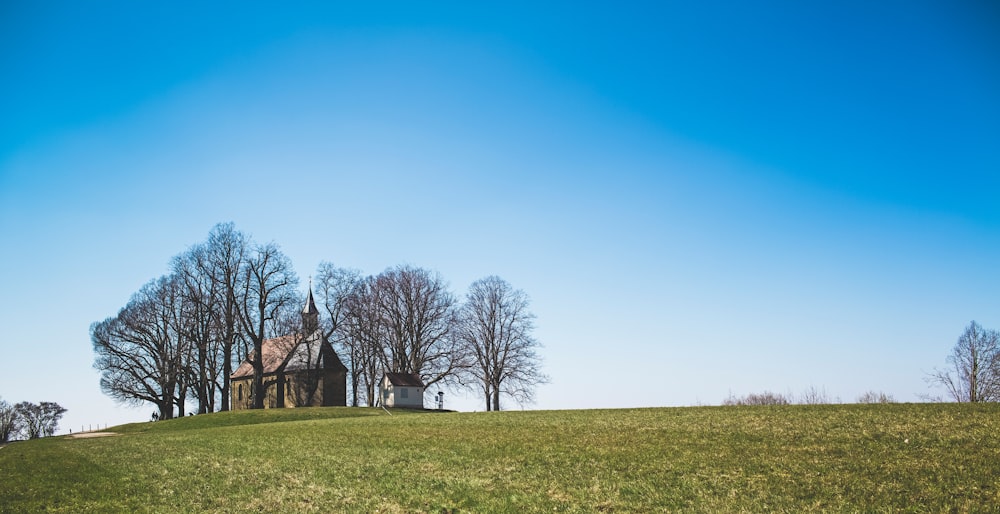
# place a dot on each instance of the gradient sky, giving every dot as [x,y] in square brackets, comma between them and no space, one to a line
[700,198]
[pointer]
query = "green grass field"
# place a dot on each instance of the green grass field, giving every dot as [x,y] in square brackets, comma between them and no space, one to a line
[841,458]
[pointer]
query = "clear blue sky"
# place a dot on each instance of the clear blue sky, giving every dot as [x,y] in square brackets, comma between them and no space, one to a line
[700,198]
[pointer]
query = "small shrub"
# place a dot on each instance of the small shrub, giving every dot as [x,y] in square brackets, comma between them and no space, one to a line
[813,396]
[876,397]
[765,398]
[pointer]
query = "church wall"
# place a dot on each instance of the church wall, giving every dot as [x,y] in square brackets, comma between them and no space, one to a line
[316,388]
[240,392]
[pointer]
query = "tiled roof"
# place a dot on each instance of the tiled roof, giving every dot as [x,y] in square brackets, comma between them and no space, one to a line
[293,353]
[404,379]
[275,352]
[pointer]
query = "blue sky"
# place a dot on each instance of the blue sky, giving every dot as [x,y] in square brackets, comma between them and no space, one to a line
[699,199]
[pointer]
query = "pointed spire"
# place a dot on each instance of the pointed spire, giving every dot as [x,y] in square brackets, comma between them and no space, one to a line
[310,307]
[310,314]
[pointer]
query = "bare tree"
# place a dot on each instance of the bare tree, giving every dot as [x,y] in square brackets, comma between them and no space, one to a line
[201,323]
[816,396]
[39,420]
[364,335]
[875,397]
[765,398]
[974,375]
[10,422]
[495,328]
[138,352]
[335,287]
[268,289]
[418,315]
[226,250]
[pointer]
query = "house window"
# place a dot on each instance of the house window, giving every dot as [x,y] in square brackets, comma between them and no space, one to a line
[239,392]
[404,392]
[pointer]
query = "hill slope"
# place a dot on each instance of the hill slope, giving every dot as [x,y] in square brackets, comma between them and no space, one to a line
[924,457]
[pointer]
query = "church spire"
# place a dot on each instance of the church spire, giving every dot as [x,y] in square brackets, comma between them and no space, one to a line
[310,314]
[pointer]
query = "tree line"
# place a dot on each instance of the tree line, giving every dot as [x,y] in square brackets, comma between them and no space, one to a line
[26,420]
[179,337]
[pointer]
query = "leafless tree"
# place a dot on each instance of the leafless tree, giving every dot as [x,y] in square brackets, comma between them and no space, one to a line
[816,396]
[765,398]
[364,335]
[495,329]
[139,352]
[974,375]
[875,397]
[268,289]
[226,251]
[10,422]
[418,315]
[39,420]
[335,287]
[201,323]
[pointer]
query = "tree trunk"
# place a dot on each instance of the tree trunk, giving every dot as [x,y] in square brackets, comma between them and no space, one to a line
[227,370]
[202,380]
[258,383]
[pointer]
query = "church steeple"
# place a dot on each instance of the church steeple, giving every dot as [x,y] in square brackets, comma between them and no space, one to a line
[310,314]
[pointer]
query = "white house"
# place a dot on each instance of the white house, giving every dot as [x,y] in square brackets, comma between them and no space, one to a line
[401,390]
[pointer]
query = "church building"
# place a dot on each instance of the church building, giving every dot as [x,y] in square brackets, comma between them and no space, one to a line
[299,370]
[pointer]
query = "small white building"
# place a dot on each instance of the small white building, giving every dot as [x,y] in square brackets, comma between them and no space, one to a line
[401,390]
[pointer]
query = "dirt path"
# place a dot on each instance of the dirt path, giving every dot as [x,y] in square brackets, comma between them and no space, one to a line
[85,435]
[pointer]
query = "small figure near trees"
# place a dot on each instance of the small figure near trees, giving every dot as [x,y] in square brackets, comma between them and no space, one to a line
[974,375]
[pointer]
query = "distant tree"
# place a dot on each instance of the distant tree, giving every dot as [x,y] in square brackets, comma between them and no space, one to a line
[41,420]
[495,328]
[974,375]
[201,324]
[268,288]
[334,288]
[765,398]
[226,251]
[139,352]
[418,315]
[814,396]
[875,397]
[10,422]
[364,335]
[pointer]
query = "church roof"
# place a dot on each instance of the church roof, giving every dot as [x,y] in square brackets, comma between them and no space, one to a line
[276,350]
[404,379]
[293,353]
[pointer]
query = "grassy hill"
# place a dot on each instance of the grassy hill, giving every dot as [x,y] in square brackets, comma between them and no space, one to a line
[922,458]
